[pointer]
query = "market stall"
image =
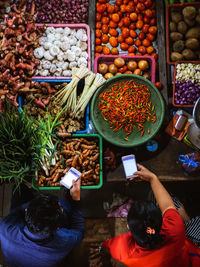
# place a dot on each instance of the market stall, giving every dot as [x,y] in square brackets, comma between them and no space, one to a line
[96,85]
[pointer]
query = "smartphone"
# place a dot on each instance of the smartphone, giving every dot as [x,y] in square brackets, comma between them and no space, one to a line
[72,174]
[130,165]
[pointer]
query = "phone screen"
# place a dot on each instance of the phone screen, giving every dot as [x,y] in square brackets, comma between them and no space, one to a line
[129,165]
[69,177]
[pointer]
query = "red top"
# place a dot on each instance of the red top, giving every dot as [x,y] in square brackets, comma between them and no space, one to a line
[174,252]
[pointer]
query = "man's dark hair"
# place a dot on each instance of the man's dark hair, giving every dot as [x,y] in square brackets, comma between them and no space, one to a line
[145,214]
[42,215]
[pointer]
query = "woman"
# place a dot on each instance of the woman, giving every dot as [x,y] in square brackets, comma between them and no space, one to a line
[157,236]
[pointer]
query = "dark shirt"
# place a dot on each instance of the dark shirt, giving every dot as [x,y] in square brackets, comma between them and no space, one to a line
[24,249]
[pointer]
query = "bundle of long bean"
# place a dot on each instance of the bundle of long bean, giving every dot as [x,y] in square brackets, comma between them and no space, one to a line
[126,105]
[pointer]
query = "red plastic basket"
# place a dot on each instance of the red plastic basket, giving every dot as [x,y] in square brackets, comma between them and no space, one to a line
[178,8]
[72,26]
[174,85]
[110,59]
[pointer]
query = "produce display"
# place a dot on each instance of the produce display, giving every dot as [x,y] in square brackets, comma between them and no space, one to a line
[127,105]
[80,153]
[43,105]
[19,36]
[61,49]
[184,33]
[60,11]
[123,65]
[187,84]
[125,26]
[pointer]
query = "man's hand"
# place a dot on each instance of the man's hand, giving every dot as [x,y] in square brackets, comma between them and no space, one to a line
[144,174]
[75,191]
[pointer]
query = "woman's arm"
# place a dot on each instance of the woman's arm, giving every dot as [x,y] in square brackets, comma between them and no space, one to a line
[163,198]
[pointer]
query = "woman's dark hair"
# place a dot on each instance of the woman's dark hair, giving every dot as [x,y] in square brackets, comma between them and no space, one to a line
[145,214]
[42,215]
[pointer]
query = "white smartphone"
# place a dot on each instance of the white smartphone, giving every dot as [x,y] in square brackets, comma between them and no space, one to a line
[72,174]
[130,165]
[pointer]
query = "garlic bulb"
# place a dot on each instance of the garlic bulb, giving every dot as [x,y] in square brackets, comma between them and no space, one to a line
[54,50]
[39,52]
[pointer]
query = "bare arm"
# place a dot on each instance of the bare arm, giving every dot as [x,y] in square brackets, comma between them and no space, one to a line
[163,198]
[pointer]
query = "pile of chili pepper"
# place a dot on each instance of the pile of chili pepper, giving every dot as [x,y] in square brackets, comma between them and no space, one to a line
[127,105]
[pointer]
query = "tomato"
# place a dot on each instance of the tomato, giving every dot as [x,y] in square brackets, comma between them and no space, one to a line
[113,32]
[106,50]
[97,41]
[153,30]
[113,41]
[150,36]
[118,2]
[105,14]
[104,38]
[125,2]
[131,49]
[137,42]
[153,21]
[139,24]
[146,42]
[145,28]
[121,23]
[150,49]
[126,21]
[105,20]
[140,17]
[140,6]
[120,39]
[146,19]
[98,33]
[110,8]
[98,49]
[102,1]
[133,34]
[124,46]
[104,28]
[136,2]
[141,36]
[138,54]
[129,40]
[148,13]
[133,16]
[125,32]
[112,24]
[114,51]
[97,54]
[116,8]
[132,26]
[155,55]
[148,3]
[98,25]
[123,8]
[101,8]
[115,17]
[98,16]
[129,8]
[159,85]
[122,69]
[142,49]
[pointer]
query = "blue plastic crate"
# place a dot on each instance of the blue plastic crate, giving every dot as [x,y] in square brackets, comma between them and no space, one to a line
[87,112]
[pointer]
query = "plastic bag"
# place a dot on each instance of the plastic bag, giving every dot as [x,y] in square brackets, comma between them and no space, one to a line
[190,162]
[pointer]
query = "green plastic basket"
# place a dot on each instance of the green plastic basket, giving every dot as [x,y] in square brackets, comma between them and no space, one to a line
[34,182]
[135,138]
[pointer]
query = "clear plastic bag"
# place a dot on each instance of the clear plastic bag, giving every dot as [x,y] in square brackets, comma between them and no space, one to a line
[190,162]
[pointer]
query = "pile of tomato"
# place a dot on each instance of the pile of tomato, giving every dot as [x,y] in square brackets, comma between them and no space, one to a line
[128,25]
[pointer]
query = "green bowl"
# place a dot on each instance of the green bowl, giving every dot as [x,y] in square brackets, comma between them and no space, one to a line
[135,138]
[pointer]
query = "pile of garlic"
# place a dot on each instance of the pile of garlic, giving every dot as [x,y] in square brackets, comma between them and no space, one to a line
[61,49]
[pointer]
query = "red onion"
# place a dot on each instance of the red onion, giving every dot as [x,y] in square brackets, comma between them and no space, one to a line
[186,93]
[60,11]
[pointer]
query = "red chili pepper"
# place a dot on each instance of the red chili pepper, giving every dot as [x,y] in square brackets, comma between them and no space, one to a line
[127,105]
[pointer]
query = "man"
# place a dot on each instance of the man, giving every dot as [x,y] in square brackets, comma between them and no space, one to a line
[42,232]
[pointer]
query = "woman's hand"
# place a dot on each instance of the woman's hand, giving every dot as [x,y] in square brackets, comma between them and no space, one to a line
[75,191]
[144,174]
